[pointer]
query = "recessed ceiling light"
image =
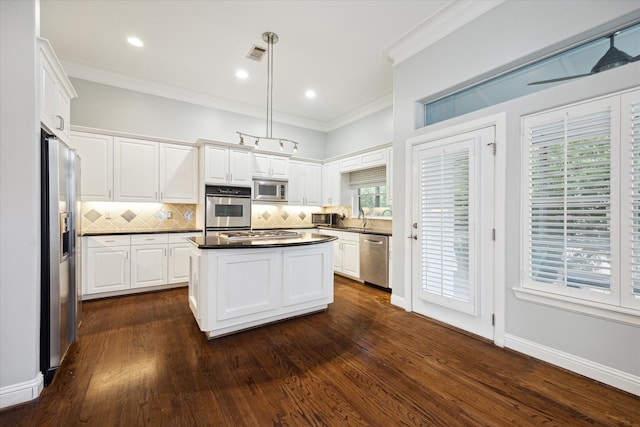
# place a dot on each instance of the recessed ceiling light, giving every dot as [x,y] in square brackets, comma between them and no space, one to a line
[242,74]
[310,93]
[135,41]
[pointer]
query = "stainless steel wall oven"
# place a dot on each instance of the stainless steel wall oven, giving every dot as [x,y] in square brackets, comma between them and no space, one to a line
[227,208]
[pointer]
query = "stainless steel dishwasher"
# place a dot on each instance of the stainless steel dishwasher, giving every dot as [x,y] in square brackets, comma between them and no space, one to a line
[374,259]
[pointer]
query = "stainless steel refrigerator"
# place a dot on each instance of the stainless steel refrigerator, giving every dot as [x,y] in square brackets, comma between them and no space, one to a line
[60,257]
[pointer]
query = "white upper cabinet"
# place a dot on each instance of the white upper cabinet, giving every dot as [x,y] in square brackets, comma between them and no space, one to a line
[135,170]
[364,161]
[305,183]
[331,184]
[178,173]
[56,93]
[268,166]
[96,162]
[224,165]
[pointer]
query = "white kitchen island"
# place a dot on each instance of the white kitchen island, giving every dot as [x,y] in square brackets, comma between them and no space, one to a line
[237,285]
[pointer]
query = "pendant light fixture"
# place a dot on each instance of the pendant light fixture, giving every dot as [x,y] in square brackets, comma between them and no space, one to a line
[271,39]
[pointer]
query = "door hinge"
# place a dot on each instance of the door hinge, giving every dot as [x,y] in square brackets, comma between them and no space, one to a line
[493,234]
[493,320]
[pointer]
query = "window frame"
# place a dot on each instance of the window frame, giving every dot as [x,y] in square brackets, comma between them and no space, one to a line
[619,305]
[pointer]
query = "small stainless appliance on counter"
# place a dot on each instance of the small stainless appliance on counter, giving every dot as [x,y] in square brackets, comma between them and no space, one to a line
[328,219]
[374,259]
[60,253]
[227,208]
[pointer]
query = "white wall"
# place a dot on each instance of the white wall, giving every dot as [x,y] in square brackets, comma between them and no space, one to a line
[111,108]
[19,206]
[531,26]
[372,130]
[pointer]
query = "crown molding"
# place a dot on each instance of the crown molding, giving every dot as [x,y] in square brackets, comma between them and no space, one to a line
[374,106]
[443,22]
[111,78]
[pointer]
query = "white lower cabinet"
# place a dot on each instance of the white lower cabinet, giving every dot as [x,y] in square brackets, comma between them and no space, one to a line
[116,265]
[107,264]
[148,260]
[346,252]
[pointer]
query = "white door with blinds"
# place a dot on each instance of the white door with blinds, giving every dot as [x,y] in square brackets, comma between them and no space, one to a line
[452,215]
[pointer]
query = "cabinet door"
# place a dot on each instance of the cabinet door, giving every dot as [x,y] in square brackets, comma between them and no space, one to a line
[337,256]
[194,282]
[313,184]
[351,258]
[178,270]
[96,159]
[331,184]
[178,174]
[279,167]
[107,269]
[240,167]
[135,170]
[297,183]
[261,165]
[148,265]
[216,165]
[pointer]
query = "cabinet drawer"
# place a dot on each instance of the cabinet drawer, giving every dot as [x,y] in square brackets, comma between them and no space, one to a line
[180,237]
[149,239]
[105,241]
[351,236]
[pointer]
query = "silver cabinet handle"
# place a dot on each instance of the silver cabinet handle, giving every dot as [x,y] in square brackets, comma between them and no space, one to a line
[230,177]
[109,241]
[109,193]
[161,195]
[413,236]
[126,254]
[61,122]
[375,242]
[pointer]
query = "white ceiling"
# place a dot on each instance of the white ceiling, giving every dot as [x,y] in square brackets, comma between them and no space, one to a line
[193,49]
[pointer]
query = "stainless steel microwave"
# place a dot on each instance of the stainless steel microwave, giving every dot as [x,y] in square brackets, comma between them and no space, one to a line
[270,190]
[330,219]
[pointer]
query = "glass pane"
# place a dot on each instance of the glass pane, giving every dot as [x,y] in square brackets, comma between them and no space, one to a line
[445,233]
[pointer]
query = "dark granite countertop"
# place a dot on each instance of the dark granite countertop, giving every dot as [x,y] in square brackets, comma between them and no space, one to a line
[215,242]
[357,230]
[122,233]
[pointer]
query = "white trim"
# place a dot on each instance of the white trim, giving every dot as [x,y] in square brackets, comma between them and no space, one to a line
[398,301]
[590,308]
[21,392]
[448,19]
[590,369]
[378,104]
[86,72]
[86,129]
[498,120]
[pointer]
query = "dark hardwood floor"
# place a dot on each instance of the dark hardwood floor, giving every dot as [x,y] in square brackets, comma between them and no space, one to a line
[141,361]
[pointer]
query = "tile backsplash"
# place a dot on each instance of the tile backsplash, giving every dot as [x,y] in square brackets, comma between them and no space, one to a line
[117,216]
[281,216]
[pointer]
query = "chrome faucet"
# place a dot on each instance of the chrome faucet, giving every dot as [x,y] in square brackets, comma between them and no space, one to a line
[364,221]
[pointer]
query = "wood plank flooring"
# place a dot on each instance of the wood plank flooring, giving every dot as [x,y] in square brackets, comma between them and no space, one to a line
[141,361]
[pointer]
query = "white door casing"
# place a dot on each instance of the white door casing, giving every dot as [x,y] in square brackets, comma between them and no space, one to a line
[452,210]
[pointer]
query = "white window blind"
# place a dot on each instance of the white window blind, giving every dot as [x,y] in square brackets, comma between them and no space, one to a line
[445,235]
[634,134]
[570,202]
[368,177]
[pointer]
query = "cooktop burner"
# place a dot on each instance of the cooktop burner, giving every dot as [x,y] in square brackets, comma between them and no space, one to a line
[254,235]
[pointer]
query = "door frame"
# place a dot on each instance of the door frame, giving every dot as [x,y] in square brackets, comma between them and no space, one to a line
[499,274]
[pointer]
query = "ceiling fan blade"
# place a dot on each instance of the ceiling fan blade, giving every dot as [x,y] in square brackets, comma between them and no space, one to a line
[559,79]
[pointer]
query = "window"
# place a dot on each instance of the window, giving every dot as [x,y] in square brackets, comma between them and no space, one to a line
[370,192]
[516,82]
[581,204]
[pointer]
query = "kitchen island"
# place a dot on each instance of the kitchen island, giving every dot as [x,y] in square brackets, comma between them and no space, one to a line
[242,282]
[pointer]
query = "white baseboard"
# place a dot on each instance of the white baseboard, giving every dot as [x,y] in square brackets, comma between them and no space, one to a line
[21,392]
[398,301]
[590,369]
